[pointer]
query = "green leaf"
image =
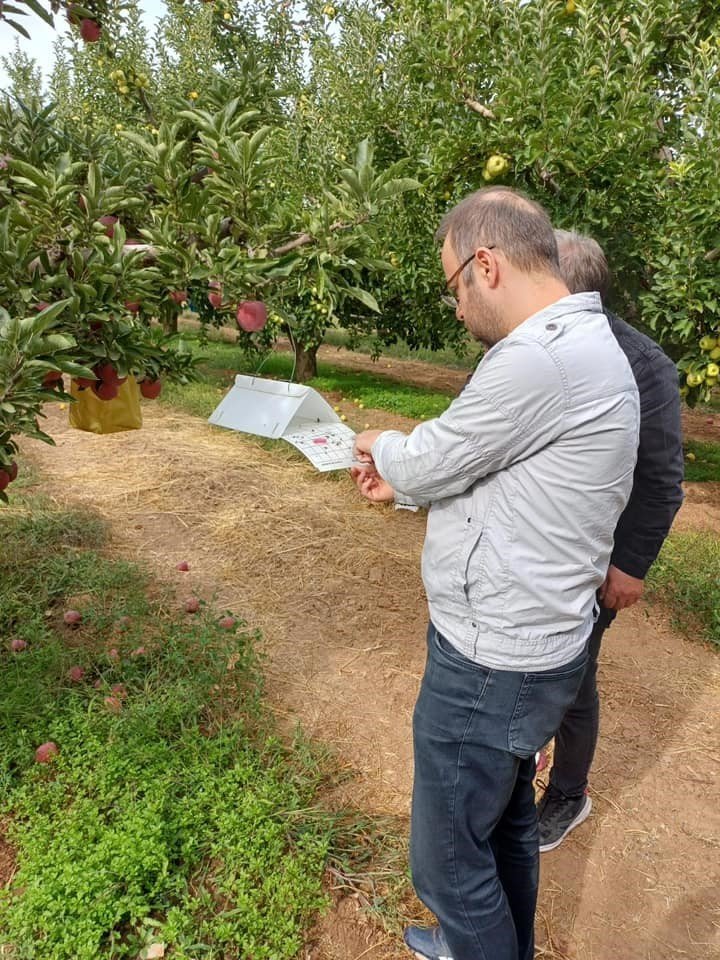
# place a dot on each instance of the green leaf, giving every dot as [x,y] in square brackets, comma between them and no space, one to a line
[364,297]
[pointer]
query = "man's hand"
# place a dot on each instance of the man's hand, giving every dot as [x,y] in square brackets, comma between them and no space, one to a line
[620,590]
[371,485]
[364,442]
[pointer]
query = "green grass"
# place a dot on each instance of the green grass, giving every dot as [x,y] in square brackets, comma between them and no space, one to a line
[686,578]
[224,360]
[704,464]
[446,357]
[182,819]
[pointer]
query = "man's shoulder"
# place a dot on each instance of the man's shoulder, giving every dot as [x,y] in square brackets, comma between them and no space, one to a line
[634,343]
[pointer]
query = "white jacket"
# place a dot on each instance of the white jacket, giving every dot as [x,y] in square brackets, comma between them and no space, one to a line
[527,473]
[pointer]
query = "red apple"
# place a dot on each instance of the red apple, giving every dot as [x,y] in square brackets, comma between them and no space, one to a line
[13,471]
[4,479]
[17,645]
[109,222]
[192,605]
[150,389]
[72,617]
[106,372]
[227,623]
[178,296]
[51,379]
[184,566]
[84,382]
[105,390]
[90,31]
[76,674]
[215,300]
[46,752]
[113,704]
[132,306]
[251,315]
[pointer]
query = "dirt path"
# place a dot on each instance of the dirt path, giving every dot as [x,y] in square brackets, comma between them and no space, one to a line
[334,585]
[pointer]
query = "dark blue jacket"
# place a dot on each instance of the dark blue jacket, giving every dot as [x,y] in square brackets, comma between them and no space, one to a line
[657,484]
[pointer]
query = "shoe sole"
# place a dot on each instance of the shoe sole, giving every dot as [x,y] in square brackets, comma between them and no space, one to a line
[581,817]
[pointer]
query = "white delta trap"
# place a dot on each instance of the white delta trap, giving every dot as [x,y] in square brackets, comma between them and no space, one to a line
[288,411]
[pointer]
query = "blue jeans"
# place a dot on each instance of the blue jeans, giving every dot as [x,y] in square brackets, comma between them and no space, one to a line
[474,840]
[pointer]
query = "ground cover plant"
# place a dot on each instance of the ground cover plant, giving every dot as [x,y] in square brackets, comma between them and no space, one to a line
[166,812]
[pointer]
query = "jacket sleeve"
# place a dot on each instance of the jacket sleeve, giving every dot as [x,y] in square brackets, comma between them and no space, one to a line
[657,483]
[513,406]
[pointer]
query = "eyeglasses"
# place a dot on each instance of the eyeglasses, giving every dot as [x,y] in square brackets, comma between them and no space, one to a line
[447,298]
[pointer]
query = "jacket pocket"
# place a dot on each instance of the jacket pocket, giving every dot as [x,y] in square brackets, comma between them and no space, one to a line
[470,561]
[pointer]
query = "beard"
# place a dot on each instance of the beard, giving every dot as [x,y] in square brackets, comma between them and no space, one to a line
[483,321]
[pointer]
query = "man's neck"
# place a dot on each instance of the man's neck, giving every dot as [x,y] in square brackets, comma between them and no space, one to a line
[531,297]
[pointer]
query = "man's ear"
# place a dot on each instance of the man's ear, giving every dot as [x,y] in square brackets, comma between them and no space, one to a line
[486,265]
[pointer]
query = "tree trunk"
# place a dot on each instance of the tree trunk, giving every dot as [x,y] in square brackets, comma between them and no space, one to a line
[305,362]
[169,318]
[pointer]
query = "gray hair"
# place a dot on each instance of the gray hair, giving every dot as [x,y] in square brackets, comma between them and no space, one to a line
[583,264]
[507,219]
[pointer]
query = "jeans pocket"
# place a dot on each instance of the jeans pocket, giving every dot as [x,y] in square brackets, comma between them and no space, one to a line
[541,704]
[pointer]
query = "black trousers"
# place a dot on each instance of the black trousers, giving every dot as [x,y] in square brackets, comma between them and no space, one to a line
[577,737]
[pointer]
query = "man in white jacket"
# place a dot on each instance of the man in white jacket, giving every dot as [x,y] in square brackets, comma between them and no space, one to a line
[525,474]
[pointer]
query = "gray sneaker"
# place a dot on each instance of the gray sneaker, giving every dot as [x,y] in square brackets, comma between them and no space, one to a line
[558,815]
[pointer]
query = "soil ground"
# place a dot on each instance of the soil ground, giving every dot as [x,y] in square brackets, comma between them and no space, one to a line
[334,585]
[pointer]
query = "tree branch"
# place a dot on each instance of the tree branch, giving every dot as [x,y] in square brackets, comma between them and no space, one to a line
[305,238]
[479,108]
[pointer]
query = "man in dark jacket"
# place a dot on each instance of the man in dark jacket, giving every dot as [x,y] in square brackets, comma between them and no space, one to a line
[655,499]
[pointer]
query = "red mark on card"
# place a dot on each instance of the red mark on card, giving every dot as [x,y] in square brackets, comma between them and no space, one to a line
[319,440]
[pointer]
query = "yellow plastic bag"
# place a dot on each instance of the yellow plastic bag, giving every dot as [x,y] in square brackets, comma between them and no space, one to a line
[106,416]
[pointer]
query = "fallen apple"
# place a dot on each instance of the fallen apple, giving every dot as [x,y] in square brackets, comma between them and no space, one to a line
[17,645]
[72,617]
[184,566]
[192,605]
[76,674]
[46,752]
[113,704]
[227,623]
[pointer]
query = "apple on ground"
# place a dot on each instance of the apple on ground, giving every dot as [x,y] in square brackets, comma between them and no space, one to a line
[46,752]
